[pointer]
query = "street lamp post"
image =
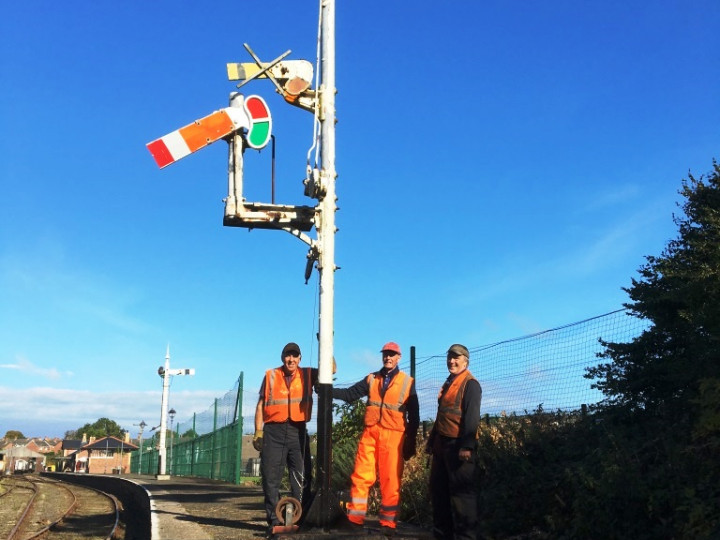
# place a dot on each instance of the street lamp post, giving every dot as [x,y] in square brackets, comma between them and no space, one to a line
[107,447]
[122,449]
[172,413]
[142,425]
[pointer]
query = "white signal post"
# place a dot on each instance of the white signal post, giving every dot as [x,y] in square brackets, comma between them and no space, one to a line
[165,372]
[326,263]
[293,80]
[298,219]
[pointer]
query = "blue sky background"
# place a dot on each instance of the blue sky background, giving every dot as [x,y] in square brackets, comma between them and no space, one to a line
[504,167]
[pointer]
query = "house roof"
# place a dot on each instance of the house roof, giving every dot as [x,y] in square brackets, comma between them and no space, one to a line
[21,452]
[19,442]
[71,444]
[112,443]
[43,442]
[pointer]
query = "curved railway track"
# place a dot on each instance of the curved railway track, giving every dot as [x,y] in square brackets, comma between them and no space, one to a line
[34,507]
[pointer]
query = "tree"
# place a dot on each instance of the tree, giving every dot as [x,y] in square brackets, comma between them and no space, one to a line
[662,371]
[662,390]
[190,434]
[14,434]
[103,427]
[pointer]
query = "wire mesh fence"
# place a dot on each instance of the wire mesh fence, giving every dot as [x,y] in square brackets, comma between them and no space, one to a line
[518,375]
[543,369]
[223,412]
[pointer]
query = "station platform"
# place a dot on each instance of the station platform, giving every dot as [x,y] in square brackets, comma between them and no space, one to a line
[201,509]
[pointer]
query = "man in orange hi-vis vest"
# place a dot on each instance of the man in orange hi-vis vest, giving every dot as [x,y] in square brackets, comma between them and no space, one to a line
[453,444]
[392,418]
[281,415]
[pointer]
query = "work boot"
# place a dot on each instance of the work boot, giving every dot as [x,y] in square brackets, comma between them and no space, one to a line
[348,525]
[387,531]
[271,528]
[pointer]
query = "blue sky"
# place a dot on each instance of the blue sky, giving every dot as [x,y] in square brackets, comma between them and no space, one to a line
[503,168]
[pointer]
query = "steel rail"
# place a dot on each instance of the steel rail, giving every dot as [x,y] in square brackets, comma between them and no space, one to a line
[28,506]
[113,500]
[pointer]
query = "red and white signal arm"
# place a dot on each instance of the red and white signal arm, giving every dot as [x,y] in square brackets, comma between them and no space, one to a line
[254,116]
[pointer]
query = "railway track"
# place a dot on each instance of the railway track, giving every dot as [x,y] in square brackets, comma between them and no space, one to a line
[34,507]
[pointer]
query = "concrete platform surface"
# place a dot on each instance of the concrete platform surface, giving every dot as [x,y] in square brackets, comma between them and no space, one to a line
[186,508]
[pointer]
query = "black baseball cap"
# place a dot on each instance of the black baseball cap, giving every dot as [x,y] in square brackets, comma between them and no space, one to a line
[290,348]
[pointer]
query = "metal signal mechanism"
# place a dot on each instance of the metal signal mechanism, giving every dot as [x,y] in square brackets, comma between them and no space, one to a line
[240,213]
[292,78]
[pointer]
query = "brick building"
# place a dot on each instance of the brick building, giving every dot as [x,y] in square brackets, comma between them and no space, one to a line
[107,455]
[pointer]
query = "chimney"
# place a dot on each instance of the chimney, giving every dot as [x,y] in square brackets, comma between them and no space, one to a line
[127,437]
[84,439]
[92,440]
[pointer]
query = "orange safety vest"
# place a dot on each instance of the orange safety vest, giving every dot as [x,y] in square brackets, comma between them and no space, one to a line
[449,413]
[388,410]
[283,403]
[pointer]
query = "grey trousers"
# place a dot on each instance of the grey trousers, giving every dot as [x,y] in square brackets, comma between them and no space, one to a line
[453,492]
[285,445]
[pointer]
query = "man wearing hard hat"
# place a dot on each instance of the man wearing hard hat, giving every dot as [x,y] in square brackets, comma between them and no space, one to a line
[392,418]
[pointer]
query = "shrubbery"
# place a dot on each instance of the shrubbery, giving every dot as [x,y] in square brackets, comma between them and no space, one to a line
[643,464]
[564,475]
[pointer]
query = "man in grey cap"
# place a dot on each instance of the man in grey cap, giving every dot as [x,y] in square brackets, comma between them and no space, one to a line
[453,445]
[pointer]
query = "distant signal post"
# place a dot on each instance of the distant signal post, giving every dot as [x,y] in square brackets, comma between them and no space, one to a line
[165,372]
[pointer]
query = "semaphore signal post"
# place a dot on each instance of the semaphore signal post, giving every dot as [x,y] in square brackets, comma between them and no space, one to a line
[247,123]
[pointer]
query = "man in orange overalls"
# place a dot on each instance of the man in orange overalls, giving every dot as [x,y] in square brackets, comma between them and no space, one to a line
[392,418]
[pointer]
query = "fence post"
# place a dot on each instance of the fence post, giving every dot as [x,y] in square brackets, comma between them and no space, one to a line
[412,362]
[192,448]
[239,427]
[212,439]
[173,469]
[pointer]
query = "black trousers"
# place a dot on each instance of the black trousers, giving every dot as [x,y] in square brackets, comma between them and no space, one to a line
[285,445]
[453,489]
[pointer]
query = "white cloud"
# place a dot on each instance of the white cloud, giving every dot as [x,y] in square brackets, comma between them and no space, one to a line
[23,365]
[620,194]
[604,248]
[65,409]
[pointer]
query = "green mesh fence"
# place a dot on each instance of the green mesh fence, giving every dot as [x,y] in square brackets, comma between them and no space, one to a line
[208,446]
[145,459]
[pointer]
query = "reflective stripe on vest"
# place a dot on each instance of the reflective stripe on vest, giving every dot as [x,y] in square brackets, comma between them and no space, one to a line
[449,413]
[388,410]
[283,403]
